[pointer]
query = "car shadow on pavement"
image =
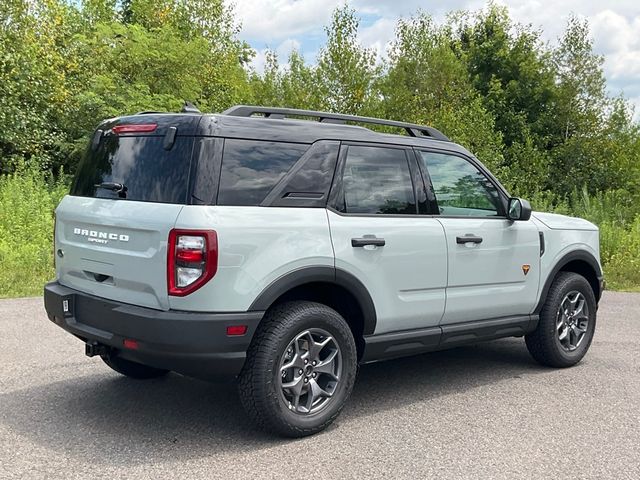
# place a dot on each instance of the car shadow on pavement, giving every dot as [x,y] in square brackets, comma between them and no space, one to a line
[107,419]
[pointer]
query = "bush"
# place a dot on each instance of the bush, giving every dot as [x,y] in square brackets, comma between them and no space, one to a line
[620,254]
[27,201]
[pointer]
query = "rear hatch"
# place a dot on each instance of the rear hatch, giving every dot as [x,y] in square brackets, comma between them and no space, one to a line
[112,230]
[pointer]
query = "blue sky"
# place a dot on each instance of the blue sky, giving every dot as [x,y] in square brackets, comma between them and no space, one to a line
[281,25]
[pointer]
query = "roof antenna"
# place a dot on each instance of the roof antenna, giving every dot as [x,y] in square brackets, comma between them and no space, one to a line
[189,107]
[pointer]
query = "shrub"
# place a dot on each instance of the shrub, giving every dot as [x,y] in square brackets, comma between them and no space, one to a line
[27,201]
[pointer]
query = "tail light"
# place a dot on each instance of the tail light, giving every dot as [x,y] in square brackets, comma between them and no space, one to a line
[135,128]
[192,260]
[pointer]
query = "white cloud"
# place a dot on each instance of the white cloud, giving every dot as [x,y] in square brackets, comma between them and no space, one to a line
[269,20]
[379,35]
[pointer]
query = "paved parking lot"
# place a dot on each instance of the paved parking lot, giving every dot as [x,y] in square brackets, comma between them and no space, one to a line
[485,411]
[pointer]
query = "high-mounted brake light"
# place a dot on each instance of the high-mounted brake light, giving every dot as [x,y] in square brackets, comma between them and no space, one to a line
[192,260]
[135,128]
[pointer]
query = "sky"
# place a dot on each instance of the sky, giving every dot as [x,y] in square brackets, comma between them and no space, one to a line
[281,25]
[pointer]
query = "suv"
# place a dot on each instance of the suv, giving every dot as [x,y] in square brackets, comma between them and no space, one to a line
[263,246]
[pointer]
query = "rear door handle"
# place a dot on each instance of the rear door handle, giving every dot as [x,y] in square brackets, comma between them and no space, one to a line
[362,242]
[468,238]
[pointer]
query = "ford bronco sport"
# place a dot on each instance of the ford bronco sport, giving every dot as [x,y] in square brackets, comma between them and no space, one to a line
[263,246]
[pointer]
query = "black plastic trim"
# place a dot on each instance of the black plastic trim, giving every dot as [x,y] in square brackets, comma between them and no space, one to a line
[169,138]
[471,332]
[400,344]
[569,257]
[325,274]
[192,343]
[411,342]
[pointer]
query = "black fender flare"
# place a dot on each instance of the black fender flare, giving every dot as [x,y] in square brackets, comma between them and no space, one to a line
[582,255]
[325,274]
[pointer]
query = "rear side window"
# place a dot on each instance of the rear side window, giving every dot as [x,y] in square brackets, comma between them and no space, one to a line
[250,169]
[148,172]
[376,180]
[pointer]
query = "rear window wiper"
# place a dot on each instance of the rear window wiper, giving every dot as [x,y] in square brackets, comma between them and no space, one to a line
[119,188]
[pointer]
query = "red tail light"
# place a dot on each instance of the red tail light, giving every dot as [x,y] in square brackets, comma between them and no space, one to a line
[192,260]
[135,128]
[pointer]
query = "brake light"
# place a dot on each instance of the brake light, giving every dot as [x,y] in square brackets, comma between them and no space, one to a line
[192,260]
[135,128]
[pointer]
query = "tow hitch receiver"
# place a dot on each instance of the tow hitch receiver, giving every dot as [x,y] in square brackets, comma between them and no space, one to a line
[91,349]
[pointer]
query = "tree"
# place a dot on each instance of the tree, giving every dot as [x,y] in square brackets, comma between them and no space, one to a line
[346,71]
[427,83]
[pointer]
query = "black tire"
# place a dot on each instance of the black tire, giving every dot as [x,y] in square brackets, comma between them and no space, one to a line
[132,369]
[544,343]
[259,385]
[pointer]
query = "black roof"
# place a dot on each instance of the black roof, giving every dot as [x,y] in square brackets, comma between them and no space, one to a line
[275,125]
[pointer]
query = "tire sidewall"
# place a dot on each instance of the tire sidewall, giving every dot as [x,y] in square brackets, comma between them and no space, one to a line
[550,311]
[317,316]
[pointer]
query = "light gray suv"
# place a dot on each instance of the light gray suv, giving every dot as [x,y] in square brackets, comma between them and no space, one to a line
[263,246]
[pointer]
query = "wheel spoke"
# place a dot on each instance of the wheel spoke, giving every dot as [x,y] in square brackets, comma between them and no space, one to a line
[316,347]
[328,365]
[317,391]
[563,333]
[296,362]
[579,307]
[295,385]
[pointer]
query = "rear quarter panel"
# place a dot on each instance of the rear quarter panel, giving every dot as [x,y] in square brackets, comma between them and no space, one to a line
[256,245]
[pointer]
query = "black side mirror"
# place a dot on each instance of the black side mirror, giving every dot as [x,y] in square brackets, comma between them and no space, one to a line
[519,209]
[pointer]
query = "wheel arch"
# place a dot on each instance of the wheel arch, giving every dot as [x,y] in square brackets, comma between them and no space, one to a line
[577,261]
[331,286]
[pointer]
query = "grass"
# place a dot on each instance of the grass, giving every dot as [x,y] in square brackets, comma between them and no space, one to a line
[29,197]
[27,201]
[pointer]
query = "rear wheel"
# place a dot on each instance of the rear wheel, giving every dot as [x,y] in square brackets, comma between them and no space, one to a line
[567,322]
[132,369]
[300,369]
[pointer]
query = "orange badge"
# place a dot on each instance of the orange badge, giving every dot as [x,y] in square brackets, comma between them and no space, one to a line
[526,268]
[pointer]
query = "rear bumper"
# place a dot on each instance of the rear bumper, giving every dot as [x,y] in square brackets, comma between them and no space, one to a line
[192,343]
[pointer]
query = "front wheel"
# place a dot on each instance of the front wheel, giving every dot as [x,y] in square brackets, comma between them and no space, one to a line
[300,369]
[567,322]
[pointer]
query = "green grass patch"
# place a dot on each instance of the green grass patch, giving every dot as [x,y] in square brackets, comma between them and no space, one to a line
[27,201]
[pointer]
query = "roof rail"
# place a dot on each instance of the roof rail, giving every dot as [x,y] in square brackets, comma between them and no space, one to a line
[326,117]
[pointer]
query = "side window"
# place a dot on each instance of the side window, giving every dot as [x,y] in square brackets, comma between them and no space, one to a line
[250,169]
[376,180]
[460,188]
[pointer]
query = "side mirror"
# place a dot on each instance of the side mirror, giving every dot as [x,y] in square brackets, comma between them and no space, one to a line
[519,209]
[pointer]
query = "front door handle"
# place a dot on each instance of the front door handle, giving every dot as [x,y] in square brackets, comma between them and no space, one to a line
[468,238]
[362,242]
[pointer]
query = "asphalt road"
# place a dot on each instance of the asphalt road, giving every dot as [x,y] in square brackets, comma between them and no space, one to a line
[485,411]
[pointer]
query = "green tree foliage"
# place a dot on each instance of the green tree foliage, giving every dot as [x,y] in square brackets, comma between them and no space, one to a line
[346,71]
[426,82]
[537,114]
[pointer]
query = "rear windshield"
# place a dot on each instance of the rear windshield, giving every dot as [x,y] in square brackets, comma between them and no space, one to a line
[141,164]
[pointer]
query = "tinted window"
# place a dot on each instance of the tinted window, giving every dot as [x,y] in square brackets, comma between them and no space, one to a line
[250,169]
[148,171]
[460,188]
[309,182]
[377,180]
